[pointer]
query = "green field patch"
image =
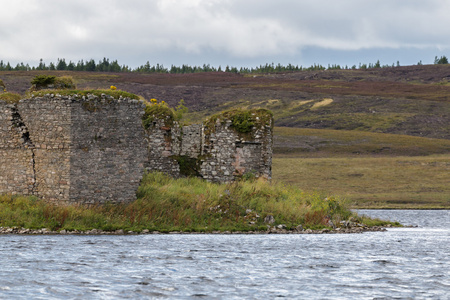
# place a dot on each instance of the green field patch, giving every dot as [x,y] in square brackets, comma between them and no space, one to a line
[374,182]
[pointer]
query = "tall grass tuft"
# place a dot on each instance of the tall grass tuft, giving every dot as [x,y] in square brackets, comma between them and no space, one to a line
[186,204]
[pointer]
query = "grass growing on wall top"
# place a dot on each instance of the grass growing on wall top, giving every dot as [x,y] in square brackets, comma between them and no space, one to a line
[243,121]
[10,97]
[186,204]
[116,94]
[154,110]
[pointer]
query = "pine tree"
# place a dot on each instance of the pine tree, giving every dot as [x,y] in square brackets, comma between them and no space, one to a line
[61,65]
[440,61]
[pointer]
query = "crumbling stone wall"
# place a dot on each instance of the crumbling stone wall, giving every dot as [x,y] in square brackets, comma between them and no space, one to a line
[108,150]
[94,149]
[191,140]
[230,154]
[161,147]
[48,121]
[16,153]
[215,151]
[79,149]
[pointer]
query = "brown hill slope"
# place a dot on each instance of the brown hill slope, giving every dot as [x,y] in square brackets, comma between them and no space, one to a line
[413,100]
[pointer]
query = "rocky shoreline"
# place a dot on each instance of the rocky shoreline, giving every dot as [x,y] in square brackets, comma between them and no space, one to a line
[280,229]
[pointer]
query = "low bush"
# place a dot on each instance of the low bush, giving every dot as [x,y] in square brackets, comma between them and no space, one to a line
[40,81]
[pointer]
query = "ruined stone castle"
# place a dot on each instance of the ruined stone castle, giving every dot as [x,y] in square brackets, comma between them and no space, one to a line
[95,149]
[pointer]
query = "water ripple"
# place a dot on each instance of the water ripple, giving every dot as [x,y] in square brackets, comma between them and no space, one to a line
[406,263]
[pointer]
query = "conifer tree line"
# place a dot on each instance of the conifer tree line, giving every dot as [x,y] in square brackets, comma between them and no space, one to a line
[106,65]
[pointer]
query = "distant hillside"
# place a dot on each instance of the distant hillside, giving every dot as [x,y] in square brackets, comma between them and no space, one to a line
[413,100]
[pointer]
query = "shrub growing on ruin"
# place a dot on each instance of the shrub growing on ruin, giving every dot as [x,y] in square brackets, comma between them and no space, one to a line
[64,83]
[242,121]
[155,110]
[180,110]
[40,82]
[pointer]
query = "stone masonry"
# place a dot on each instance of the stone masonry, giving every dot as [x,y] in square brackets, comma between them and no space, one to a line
[72,149]
[95,149]
[16,153]
[214,151]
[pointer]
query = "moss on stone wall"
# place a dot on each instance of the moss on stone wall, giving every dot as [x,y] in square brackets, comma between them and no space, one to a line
[10,97]
[157,111]
[188,166]
[117,94]
[243,121]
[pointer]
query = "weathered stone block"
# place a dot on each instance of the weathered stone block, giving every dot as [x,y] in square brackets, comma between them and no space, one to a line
[73,149]
[222,152]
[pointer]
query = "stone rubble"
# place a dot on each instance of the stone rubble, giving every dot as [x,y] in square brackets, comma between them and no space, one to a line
[270,230]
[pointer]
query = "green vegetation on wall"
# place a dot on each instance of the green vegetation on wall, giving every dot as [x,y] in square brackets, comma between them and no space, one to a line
[10,97]
[188,166]
[40,82]
[43,80]
[2,86]
[155,110]
[65,82]
[243,121]
[116,94]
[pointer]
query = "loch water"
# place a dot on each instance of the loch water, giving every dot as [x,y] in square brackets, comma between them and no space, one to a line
[401,263]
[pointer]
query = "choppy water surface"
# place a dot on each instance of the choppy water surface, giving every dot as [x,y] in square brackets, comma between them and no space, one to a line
[407,263]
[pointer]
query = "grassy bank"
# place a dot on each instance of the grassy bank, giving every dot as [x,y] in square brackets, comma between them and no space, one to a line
[187,204]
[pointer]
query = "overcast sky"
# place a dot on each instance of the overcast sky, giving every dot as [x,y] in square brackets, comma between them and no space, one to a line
[225,32]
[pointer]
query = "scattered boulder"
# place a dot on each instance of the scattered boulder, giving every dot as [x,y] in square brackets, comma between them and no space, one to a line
[299,228]
[269,219]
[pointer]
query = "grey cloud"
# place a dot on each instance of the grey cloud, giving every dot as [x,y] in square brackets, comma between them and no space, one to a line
[229,28]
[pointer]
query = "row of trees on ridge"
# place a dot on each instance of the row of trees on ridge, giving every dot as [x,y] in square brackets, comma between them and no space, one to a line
[106,65]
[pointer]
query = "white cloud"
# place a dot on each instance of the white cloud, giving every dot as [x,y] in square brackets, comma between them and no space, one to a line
[134,30]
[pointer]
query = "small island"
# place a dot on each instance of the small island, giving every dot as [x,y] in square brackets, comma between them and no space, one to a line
[78,163]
